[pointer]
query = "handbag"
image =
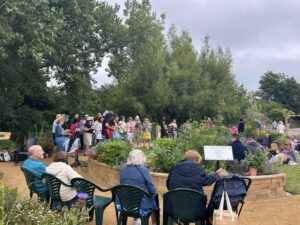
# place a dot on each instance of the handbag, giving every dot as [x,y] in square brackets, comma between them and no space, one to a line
[225,217]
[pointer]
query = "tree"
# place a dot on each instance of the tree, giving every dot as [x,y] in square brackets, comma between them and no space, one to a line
[280,88]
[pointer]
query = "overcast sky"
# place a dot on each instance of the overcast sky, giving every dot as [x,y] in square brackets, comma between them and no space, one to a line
[262,34]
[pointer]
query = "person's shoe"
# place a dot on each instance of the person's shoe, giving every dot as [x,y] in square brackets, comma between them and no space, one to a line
[136,222]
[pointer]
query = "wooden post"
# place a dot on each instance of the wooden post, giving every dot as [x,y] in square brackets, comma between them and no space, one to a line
[286,122]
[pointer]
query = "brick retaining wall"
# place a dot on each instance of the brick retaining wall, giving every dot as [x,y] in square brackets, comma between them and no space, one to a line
[262,187]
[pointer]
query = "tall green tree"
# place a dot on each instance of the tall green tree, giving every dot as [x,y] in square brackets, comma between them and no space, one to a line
[280,88]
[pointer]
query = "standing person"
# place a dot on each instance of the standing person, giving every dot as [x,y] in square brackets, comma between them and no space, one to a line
[88,134]
[108,126]
[238,149]
[54,125]
[74,132]
[147,127]
[98,129]
[280,128]
[60,169]
[37,167]
[82,123]
[130,129]
[173,129]
[136,174]
[274,125]
[241,126]
[138,131]
[59,137]
[122,127]
[163,127]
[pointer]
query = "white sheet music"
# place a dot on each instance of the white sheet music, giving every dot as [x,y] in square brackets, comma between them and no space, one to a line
[212,152]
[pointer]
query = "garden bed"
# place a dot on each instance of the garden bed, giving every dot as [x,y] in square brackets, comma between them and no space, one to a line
[262,188]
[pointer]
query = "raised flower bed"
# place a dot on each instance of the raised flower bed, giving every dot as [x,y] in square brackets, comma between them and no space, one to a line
[262,187]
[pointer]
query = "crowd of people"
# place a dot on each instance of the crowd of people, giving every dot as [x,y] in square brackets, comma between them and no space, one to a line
[87,131]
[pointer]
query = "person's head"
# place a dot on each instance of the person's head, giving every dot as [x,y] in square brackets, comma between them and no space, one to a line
[136,157]
[280,122]
[99,115]
[36,152]
[76,116]
[137,118]
[58,116]
[174,120]
[76,122]
[274,146]
[287,145]
[86,116]
[193,155]
[233,130]
[122,118]
[235,137]
[61,157]
[61,120]
[130,119]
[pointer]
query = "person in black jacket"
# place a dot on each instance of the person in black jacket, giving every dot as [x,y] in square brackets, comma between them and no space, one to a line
[188,173]
[238,149]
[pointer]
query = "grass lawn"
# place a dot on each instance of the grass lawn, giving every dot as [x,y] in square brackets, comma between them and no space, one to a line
[292,181]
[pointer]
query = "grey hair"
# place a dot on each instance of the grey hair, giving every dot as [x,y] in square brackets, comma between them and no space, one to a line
[136,157]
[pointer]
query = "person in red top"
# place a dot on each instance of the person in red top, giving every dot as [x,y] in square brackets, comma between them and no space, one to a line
[73,135]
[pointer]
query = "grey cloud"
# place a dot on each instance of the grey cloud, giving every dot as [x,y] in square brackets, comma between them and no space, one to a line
[262,34]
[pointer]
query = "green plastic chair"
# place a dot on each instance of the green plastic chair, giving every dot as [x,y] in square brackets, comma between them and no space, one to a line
[127,199]
[54,184]
[184,206]
[32,180]
[97,202]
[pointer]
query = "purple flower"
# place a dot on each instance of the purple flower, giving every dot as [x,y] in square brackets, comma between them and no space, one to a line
[82,195]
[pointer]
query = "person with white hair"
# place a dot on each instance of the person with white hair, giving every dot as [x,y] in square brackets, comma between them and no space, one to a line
[136,174]
[34,165]
[280,128]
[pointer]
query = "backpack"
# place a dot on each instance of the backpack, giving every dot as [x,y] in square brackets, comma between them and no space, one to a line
[235,187]
[4,156]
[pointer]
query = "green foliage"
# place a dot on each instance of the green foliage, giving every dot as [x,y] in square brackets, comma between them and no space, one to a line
[113,152]
[19,210]
[7,145]
[292,183]
[164,154]
[280,88]
[256,160]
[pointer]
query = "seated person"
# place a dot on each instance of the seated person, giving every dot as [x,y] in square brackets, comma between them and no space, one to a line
[136,174]
[189,174]
[251,145]
[37,167]
[290,153]
[60,168]
[275,155]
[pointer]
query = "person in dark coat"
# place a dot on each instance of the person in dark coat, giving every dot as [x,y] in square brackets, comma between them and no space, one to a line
[136,174]
[238,149]
[241,126]
[188,173]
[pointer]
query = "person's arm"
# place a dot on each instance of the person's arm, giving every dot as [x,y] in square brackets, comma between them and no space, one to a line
[72,173]
[149,182]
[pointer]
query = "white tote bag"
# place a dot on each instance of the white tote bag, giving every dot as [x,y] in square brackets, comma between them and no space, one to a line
[225,217]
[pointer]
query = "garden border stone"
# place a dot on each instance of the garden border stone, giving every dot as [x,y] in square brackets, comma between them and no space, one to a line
[262,187]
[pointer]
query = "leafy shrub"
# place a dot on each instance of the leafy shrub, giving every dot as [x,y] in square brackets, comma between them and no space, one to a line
[7,145]
[19,210]
[164,154]
[256,160]
[113,152]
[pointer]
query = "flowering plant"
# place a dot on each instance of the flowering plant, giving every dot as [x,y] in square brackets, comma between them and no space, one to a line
[82,195]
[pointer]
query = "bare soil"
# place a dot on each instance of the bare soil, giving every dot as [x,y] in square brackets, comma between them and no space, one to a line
[284,211]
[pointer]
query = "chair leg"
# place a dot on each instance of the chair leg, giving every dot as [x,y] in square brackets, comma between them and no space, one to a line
[124,220]
[91,214]
[145,220]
